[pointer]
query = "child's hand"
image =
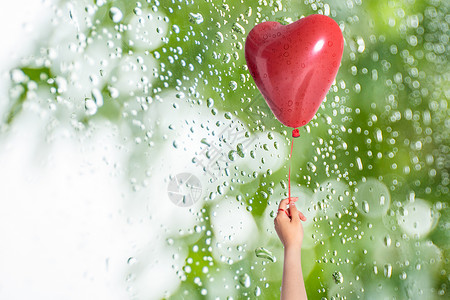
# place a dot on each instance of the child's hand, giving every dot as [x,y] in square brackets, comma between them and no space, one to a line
[288,225]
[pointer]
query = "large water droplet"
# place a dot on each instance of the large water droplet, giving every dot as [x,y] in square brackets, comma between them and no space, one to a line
[337,277]
[90,107]
[233,85]
[244,280]
[240,150]
[115,14]
[403,275]
[257,291]
[365,207]
[195,18]
[210,102]
[232,155]
[100,3]
[379,135]
[388,270]
[18,76]
[113,92]
[262,252]
[387,240]
[238,28]
[219,37]
[175,28]
[97,96]
[359,163]
[311,167]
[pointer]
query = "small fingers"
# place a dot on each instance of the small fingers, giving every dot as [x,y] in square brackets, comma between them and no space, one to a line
[301,216]
[282,207]
[292,200]
[281,210]
[293,211]
[283,203]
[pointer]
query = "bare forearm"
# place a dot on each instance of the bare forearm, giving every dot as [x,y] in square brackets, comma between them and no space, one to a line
[292,286]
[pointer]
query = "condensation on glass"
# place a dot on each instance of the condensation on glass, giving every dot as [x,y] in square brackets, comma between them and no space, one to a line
[206,161]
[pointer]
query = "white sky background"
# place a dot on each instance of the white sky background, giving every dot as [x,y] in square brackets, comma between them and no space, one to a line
[63,231]
[61,235]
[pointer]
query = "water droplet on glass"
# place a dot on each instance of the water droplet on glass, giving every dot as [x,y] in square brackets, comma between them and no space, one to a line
[233,85]
[18,76]
[100,3]
[262,252]
[379,135]
[240,150]
[90,107]
[412,196]
[115,14]
[361,44]
[365,207]
[219,37]
[257,291]
[176,29]
[131,261]
[205,141]
[311,167]
[195,18]
[210,102]
[337,277]
[376,194]
[248,12]
[97,96]
[388,270]
[137,11]
[238,28]
[113,92]
[244,280]
[403,275]
[403,211]
[231,155]
[387,240]
[359,163]
[226,58]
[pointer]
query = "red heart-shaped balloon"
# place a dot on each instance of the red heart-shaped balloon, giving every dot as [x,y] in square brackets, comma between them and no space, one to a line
[294,65]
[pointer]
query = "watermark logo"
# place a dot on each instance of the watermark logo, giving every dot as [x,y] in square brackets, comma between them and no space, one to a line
[184,189]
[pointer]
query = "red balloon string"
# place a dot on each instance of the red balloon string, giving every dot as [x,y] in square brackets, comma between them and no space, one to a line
[295,133]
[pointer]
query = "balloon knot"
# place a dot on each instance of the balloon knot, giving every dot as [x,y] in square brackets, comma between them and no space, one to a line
[295,133]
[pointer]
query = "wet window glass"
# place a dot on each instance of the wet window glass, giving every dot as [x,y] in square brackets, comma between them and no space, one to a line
[138,159]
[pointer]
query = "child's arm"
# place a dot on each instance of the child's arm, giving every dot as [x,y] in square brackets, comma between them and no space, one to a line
[290,231]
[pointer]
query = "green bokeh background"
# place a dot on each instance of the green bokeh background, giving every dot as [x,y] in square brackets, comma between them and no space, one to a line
[387,111]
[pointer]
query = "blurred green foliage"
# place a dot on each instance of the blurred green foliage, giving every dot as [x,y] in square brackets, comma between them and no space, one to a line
[386,117]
